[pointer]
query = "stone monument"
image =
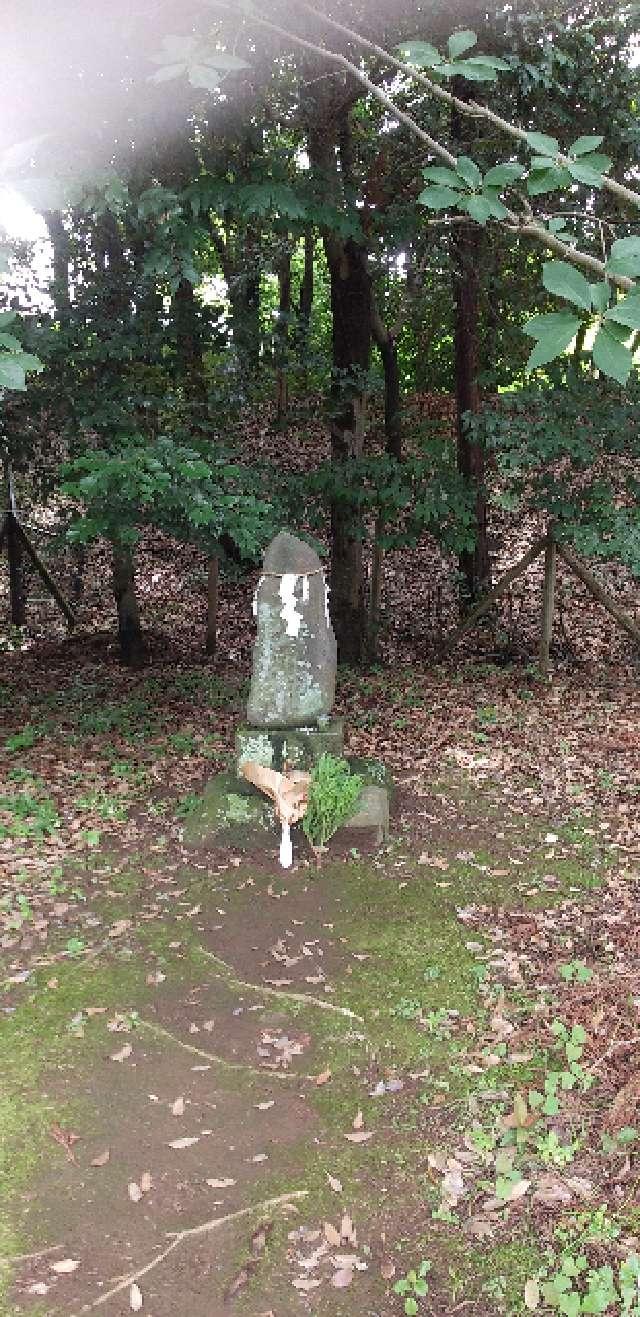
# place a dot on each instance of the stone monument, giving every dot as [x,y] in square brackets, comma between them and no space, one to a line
[289,722]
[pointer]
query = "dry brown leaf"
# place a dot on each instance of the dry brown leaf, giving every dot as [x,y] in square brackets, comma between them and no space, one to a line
[65,1266]
[359,1136]
[531,1294]
[388,1270]
[184,1143]
[123,1053]
[102,1158]
[332,1235]
[347,1230]
[134,1191]
[305,1285]
[145,1182]
[135,1298]
[220,1184]
[358,1121]
[342,1278]
[335,1183]
[323,1078]
[177,1107]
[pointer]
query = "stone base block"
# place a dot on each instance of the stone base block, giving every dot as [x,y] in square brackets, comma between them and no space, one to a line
[232,812]
[300,747]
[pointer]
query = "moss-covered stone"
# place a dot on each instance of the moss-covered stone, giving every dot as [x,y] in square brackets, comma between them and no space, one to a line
[300,747]
[231,808]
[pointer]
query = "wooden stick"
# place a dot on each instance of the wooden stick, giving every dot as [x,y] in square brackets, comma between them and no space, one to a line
[548,604]
[264,1072]
[488,601]
[204,1229]
[46,577]
[17,595]
[598,591]
[303,997]
[30,1257]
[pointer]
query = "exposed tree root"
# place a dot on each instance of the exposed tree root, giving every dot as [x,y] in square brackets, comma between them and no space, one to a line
[264,1072]
[303,997]
[30,1257]
[204,1229]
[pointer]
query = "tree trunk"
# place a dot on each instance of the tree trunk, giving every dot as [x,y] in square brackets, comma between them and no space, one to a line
[305,299]
[17,590]
[475,565]
[351,337]
[386,343]
[281,336]
[133,650]
[188,342]
[61,254]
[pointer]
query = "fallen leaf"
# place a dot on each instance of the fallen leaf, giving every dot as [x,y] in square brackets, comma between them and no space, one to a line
[145,1182]
[123,1053]
[177,1108]
[388,1270]
[134,1191]
[135,1298]
[342,1278]
[360,1136]
[305,1285]
[531,1295]
[335,1183]
[358,1121]
[323,1078]
[220,1184]
[38,1287]
[65,1267]
[184,1143]
[332,1235]
[102,1158]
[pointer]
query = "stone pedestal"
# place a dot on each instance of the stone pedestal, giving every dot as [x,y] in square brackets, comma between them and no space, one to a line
[299,747]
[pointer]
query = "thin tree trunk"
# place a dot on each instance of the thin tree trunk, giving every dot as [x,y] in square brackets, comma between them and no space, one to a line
[282,336]
[305,300]
[387,346]
[188,342]
[475,565]
[133,650]
[61,255]
[548,603]
[17,588]
[212,605]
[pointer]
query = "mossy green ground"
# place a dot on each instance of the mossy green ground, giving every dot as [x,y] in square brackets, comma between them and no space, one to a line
[394,950]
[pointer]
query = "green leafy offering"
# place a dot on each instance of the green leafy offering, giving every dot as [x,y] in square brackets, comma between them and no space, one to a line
[333,793]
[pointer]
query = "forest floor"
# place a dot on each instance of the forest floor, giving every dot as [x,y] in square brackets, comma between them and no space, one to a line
[459,1085]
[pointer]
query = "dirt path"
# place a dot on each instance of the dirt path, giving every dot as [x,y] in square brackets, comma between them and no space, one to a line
[185,1052]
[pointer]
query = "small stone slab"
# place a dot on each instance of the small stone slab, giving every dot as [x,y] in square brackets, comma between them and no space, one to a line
[300,747]
[231,811]
[372,812]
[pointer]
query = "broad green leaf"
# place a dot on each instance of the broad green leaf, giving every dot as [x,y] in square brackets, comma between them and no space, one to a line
[625,257]
[486,62]
[554,334]
[599,163]
[583,145]
[10,342]
[626,312]
[600,294]
[421,53]
[550,180]
[12,375]
[584,173]
[503,175]
[542,162]
[437,174]
[439,198]
[498,210]
[471,69]
[459,42]
[478,207]
[542,144]
[468,170]
[204,75]
[562,279]
[611,356]
[221,59]
[167,72]
[555,322]
[7,318]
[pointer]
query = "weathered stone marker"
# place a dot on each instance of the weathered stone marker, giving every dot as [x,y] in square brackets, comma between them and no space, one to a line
[289,724]
[294,658]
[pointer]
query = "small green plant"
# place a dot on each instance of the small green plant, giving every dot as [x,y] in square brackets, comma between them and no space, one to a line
[333,794]
[187,805]
[575,971]
[574,1287]
[572,1042]
[554,1153]
[413,1287]
[27,815]
[407,1008]
[22,740]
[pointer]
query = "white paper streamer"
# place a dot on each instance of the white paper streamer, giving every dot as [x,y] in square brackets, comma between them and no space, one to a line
[290,613]
[254,606]
[286,847]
